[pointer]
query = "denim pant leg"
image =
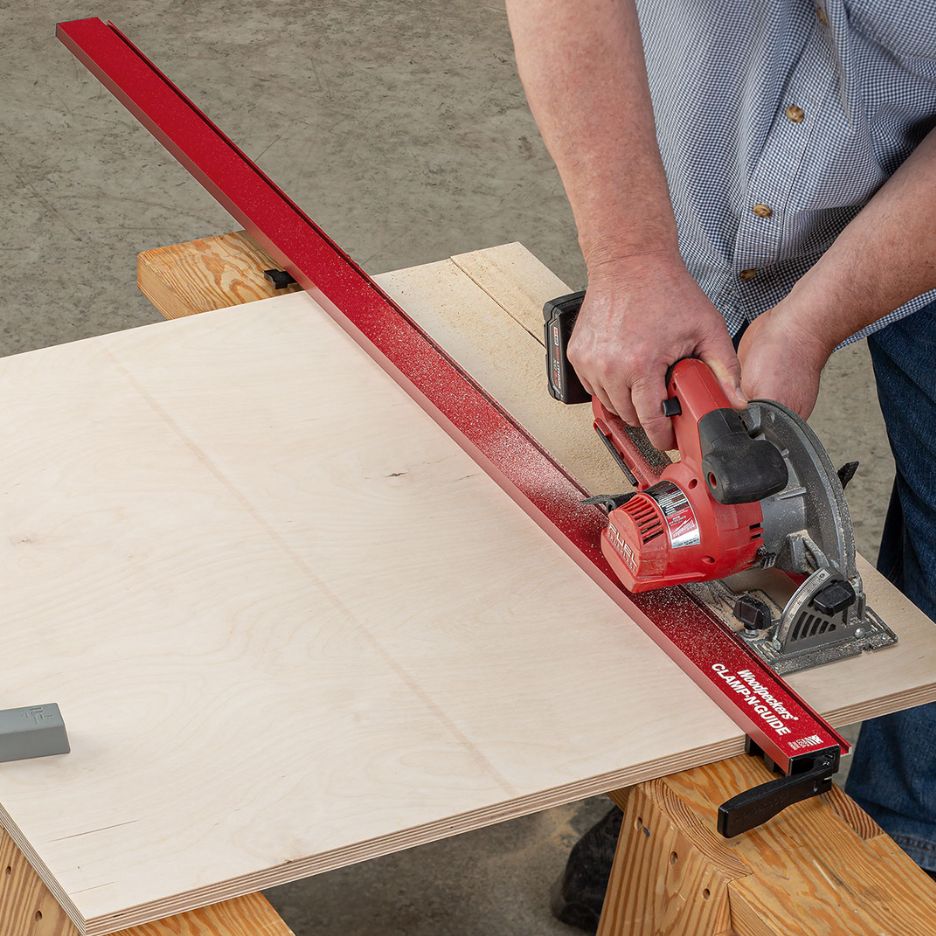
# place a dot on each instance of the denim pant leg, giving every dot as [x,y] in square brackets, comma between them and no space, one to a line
[893,774]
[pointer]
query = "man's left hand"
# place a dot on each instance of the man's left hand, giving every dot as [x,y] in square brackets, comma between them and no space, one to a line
[781,360]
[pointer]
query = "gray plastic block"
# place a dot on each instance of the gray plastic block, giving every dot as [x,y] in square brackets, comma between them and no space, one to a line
[34,731]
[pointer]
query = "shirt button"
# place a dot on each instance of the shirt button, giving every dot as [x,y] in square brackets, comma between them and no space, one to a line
[762,210]
[747,274]
[795,113]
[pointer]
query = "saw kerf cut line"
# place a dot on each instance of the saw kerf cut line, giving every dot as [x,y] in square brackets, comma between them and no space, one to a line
[683,628]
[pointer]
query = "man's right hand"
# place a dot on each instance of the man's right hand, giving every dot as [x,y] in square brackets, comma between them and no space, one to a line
[642,311]
[641,315]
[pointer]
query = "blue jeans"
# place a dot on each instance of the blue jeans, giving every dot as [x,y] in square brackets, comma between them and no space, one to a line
[893,773]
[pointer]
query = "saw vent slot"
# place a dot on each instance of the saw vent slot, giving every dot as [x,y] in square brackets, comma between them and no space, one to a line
[757,531]
[812,625]
[646,518]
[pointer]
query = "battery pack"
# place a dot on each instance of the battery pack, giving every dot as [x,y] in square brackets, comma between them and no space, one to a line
[560,315]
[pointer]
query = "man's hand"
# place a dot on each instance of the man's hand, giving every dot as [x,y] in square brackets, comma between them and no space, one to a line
[638,318]
[782,360]
[642,311]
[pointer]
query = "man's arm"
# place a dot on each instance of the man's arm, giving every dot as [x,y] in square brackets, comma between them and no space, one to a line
[582,65]
[884,257]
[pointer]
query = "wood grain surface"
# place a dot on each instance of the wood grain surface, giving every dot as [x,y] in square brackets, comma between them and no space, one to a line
[205,274]
[292,626]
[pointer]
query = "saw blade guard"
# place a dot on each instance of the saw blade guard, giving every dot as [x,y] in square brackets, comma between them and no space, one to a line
[808,525]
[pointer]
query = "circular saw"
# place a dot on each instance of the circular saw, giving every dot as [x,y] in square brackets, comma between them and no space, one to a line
[751,518]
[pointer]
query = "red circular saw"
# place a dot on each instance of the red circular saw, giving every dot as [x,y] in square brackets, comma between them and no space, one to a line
[752,493]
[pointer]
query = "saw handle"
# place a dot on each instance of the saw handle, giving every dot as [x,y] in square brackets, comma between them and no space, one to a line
[713,439]
[710,435]
[713,442]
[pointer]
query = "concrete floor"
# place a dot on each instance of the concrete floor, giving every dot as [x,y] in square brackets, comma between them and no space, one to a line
[401,127]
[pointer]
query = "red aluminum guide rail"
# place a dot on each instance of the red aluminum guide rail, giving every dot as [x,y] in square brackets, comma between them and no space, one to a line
[780,723]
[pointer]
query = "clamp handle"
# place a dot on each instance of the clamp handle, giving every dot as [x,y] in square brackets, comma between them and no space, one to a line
[754,807]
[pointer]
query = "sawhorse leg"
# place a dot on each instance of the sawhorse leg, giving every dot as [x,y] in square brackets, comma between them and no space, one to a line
[821,867]
[27,908]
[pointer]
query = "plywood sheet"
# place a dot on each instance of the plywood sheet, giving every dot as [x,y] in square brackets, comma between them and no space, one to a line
[292,625]
[508,362]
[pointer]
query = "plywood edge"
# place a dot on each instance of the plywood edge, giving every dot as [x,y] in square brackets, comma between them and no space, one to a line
[28,907]
[49,880]
[249,915]
[288,872]
[882,705]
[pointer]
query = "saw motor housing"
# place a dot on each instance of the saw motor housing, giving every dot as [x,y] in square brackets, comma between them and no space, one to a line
[700,518]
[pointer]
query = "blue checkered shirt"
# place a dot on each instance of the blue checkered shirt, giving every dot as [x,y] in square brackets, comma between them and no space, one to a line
[777,120]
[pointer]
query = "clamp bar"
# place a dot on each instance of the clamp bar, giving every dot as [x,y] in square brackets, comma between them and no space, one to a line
[782,725]
[33,731]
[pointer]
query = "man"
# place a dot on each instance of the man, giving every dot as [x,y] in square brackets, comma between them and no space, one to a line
[759,173]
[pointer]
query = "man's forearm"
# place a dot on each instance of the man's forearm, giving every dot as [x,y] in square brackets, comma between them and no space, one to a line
[582,65]
[883,258]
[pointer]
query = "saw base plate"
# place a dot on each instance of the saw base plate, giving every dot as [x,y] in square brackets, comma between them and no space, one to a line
[774,588]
